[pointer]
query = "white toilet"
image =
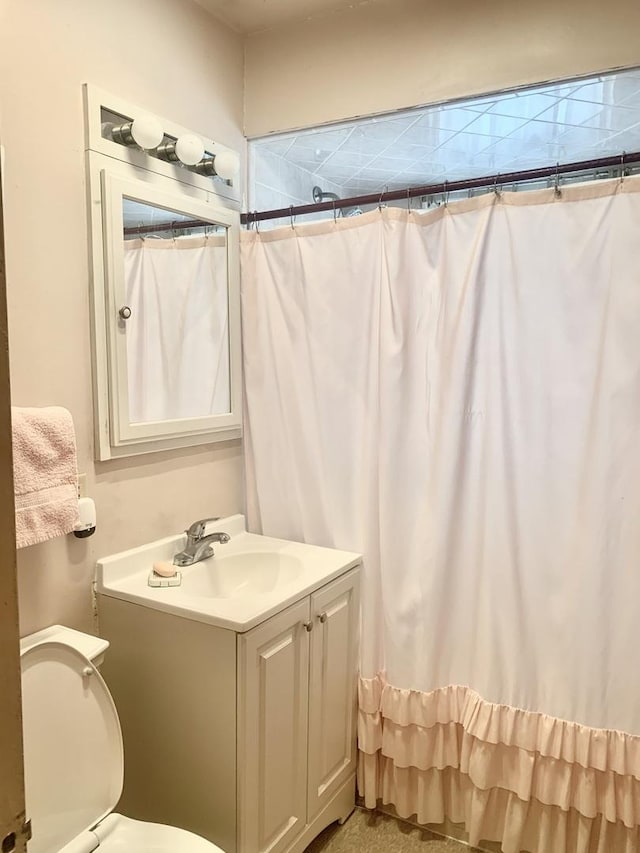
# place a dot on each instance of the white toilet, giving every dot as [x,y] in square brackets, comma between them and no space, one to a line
[73,754]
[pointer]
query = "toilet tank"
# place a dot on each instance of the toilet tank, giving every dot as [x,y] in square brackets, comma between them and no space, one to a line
[88,645]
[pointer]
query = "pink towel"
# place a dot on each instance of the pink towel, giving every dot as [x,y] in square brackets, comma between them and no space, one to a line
[45,473]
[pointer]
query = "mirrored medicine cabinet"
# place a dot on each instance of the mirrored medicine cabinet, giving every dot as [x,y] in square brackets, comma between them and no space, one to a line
[165,302]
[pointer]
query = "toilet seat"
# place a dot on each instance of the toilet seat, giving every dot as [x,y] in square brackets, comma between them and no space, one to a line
[119,834]
[74,763]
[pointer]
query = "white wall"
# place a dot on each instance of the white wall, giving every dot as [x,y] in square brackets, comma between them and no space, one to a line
[274,183]
[385,55]
[172,58]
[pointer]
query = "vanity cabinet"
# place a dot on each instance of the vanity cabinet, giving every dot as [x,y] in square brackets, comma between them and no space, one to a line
[248,739]
[296,714]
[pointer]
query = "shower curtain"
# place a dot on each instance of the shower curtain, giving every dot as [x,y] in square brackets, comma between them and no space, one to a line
[178,334]
[456,395]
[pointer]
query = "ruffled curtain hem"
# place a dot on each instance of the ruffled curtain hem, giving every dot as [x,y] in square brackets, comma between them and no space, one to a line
[531,781]
[433,796]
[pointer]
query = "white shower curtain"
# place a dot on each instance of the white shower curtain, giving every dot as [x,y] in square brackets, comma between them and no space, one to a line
[178,334]
[457,395]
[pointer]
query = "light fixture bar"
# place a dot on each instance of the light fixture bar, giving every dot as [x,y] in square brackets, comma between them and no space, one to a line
[188,149]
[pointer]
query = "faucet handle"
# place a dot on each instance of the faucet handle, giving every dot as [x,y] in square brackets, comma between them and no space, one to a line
[196,530]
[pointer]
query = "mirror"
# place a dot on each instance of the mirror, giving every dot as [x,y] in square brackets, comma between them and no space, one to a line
[167,315]
[176,314]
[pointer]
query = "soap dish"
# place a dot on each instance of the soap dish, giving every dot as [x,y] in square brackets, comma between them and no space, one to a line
[157,580]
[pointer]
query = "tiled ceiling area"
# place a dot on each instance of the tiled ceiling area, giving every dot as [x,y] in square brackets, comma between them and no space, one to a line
[564,122]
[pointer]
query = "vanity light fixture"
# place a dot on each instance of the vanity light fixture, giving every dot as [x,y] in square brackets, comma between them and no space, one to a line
[159,145]
[187,149]
[145,131]
[226,165]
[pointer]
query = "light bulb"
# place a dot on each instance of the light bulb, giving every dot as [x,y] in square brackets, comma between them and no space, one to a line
[227,165]
[189,149]
[147,131]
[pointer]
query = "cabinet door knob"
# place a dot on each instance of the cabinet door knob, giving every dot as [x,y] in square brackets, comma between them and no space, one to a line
[308,626]
[323,617]
[125,312]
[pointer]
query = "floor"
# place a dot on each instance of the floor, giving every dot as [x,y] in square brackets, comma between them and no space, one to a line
[377,833]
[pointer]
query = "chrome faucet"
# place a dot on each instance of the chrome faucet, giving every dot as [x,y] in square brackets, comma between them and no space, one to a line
[198,545]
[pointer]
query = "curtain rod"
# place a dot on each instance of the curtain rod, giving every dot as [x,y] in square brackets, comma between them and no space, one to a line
[498,180]
[168,226]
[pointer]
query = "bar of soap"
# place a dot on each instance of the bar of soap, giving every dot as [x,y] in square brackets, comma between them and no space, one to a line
[165,570]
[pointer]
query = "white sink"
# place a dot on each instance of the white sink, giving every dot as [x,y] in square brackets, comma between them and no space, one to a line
[247,580]
[254,573]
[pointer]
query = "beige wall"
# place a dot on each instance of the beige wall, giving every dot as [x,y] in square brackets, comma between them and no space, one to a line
[384,55]
[172,58]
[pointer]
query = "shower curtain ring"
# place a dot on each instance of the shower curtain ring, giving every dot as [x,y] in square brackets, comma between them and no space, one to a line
[291,216]
[497,191]
[557,190]
[445,194]
[334,210]
[408,199]
[256,221]
[385,190]
[622,174]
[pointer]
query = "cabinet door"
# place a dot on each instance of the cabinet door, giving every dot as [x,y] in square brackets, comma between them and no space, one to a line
[332,688]
[273,684]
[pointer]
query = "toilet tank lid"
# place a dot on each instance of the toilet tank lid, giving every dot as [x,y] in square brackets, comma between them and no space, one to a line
[88,645]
